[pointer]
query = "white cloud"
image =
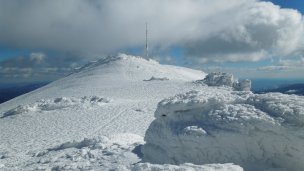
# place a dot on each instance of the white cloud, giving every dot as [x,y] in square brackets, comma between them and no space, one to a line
[37,66]
[38,57]
[273,68]
[217,30]
[262,31]
[284,68]
[292,63]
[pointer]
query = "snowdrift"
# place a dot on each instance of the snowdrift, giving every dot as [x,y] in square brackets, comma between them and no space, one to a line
[55,104]
[257,132]
[117,152]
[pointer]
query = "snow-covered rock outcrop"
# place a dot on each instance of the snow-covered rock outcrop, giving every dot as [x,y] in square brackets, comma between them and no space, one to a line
[219,79]
[257,132]
[226,79]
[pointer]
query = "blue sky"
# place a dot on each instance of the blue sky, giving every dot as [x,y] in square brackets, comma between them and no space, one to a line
[248,38]
[6,53]
[294,4]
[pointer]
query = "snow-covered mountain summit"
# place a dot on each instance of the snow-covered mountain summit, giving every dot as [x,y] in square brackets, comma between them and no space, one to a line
[104,98]
[111,72]
[96,119]
[133,68]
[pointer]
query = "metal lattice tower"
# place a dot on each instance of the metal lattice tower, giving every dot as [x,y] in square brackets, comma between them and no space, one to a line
[147,47]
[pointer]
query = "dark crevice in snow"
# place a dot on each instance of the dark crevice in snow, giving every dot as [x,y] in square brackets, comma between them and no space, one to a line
[137,151]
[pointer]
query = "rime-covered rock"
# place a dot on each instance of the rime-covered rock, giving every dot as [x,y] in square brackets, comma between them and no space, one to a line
[257,132]
[226,79]
[219,79]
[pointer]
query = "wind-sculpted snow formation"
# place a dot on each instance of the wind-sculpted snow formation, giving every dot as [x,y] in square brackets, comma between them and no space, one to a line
[226,79]
[257,132]
[55,104]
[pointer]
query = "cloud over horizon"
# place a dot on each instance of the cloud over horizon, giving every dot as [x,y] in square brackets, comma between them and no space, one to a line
[37,66]
[218,30]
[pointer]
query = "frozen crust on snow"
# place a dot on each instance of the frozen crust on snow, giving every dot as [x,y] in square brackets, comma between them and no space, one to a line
[257,132]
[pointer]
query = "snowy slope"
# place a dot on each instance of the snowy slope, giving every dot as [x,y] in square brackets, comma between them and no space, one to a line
[110,97]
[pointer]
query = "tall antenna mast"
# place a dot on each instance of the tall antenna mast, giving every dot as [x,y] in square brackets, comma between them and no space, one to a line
[147,48]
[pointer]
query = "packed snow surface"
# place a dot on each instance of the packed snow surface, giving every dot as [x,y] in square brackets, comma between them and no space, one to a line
[257,132]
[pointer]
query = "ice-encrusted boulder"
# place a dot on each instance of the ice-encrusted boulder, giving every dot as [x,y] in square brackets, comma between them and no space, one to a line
[257,132]
[226,79]
[219,79]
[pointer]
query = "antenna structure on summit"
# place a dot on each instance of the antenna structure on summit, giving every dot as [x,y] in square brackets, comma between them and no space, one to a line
[147,48]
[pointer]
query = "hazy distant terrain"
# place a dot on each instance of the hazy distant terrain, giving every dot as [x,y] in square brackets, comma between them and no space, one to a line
[286,86]
[297,89]
[8,92]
